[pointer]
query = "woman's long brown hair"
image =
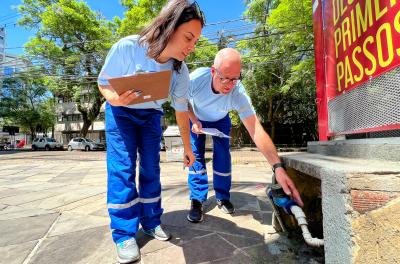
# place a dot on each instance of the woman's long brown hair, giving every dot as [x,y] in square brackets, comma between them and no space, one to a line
[157,34]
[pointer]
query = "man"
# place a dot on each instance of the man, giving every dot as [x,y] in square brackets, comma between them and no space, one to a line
[213,93]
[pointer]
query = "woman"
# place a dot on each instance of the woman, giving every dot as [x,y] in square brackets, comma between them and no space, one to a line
[135,128]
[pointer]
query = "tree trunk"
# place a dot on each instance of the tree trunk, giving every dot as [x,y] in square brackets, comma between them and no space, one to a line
[86,125]
[33,134]
[90,113]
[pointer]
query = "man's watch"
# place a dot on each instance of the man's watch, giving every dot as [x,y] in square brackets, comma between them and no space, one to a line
[277,165]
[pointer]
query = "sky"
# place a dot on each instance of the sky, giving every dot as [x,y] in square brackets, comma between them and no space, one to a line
[214,10]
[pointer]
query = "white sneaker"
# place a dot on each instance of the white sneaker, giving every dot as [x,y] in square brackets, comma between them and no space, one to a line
[128,251]
[158,233]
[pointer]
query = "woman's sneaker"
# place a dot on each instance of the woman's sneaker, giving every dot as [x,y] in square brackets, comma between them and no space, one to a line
[226,206]
[158,233]
[128,251]
[196,212]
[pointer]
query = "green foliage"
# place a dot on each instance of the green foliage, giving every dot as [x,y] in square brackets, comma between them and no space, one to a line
[71,43]
[203,56]
[139,14]
[279,65]
[25,101]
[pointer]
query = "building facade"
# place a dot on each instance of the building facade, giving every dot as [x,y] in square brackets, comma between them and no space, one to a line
[70,122]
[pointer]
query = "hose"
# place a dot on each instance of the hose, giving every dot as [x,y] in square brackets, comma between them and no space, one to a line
[302,222]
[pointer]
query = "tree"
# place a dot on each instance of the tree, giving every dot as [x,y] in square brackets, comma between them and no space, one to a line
[24,101]
[279,69]
[203,55]
[71,43]
[139,13]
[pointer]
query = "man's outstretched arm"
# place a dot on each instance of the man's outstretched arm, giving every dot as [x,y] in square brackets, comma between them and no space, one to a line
[267,148]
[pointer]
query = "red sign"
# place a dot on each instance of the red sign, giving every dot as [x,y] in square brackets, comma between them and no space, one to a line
[362,41]
[319,52]
[355,41]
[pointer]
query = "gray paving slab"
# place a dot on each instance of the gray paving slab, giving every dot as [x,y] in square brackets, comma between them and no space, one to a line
[207,248]
[6,192]
[237,258]
[180,236]
[240,241]
[31,186]
[27,197]
[13,212]
[90,246]
[87,205]
[69,222]
[16,254]
[25,229]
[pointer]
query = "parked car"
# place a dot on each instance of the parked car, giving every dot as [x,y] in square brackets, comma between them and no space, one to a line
[5,145]
[85,144]
[46,143]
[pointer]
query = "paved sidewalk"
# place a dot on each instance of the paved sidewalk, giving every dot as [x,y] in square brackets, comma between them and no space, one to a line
[53,210]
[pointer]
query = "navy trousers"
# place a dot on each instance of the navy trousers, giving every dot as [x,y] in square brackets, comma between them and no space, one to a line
[198,180]
[132,133]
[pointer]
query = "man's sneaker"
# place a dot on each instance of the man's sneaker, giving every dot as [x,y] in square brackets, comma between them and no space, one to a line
[196,212]
[158,233]
[128,251]
[226,206]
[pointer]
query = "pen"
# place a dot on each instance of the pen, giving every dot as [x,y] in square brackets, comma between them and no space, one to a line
[190,166]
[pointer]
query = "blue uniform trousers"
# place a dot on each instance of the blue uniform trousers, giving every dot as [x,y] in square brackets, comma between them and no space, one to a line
[198,180]
[130,132]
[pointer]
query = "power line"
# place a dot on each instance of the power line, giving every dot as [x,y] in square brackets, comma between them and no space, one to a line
[251,57]
[10,16]
[44,62]
[7,15]
[106,39]
[224,22]
[225,30]
[72,78]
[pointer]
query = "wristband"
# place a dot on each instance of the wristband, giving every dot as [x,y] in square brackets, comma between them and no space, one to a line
[277,165]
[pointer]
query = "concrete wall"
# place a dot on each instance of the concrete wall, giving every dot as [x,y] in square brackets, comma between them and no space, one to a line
[360,205]
[372,148]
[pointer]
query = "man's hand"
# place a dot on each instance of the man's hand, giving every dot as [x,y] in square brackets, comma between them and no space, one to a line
[197,127]
[188,158]
[287,185]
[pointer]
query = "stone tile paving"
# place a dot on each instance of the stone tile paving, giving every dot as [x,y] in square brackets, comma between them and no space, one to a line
[52,210]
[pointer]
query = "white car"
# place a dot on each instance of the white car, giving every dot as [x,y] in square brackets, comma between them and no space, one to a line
[46,144]
[84,144]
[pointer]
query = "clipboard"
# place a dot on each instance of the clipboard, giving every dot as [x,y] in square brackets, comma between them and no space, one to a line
[154,85]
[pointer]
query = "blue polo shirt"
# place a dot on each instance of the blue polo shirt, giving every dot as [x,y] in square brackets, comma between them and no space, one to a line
[209,106]
[127,56]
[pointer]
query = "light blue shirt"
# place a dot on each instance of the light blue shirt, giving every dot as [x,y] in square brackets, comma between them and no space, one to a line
[209,106]
[127,56]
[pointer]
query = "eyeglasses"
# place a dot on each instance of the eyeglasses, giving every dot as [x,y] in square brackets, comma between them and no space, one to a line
[199,13]
[225,80]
